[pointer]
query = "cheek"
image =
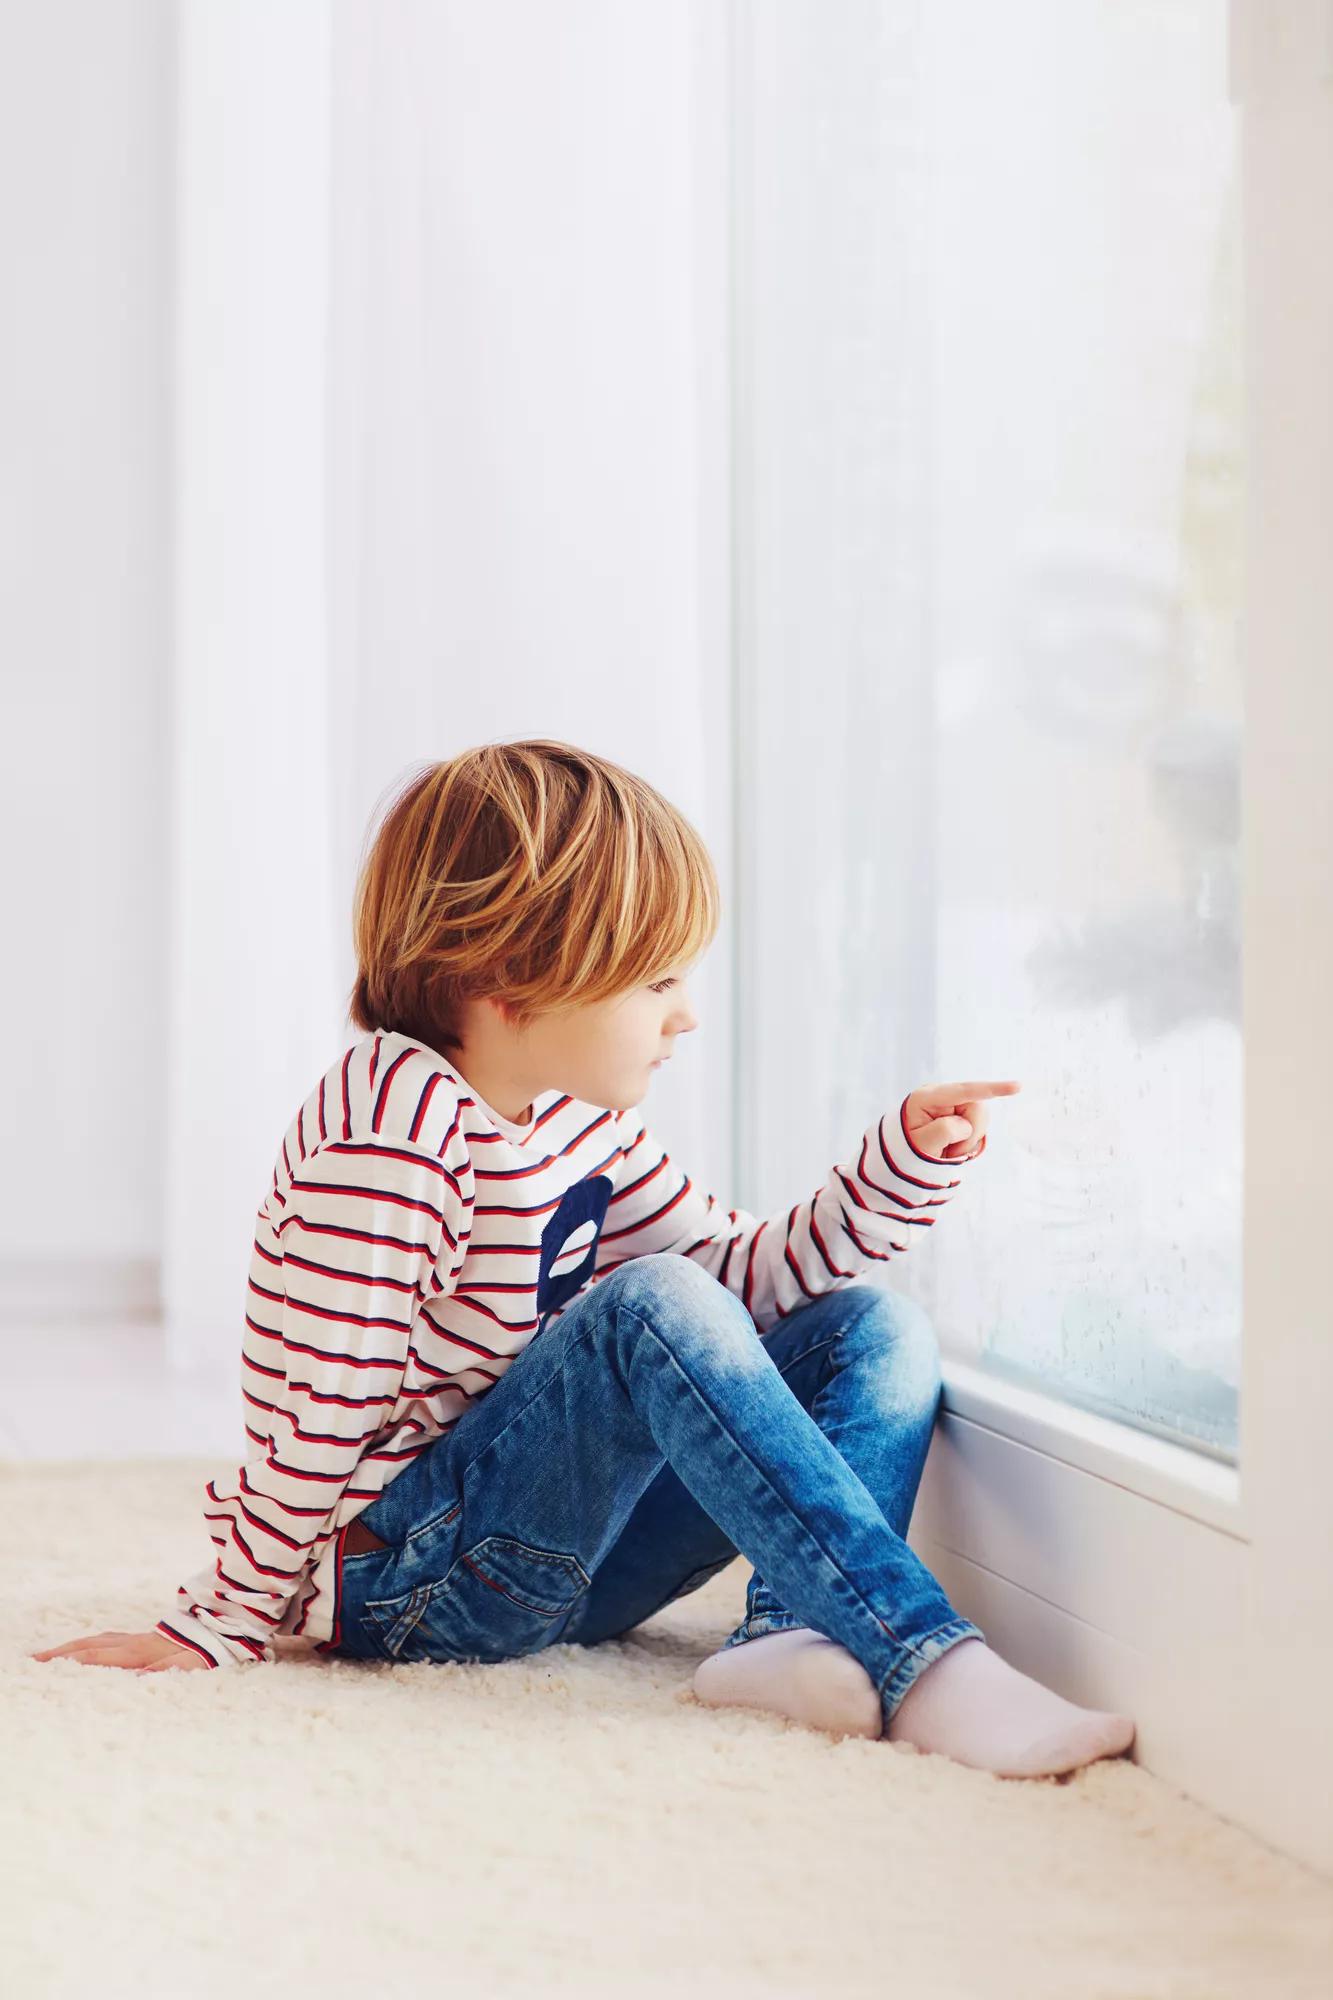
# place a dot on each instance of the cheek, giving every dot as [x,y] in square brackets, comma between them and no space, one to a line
[615,1046]
[628,1039]
[637,1034]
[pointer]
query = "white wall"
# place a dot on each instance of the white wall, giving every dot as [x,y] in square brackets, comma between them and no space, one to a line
[85,563]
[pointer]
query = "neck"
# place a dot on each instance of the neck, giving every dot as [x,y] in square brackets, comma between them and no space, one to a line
[501,1096]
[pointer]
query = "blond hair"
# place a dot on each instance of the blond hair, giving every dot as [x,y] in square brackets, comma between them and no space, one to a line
[531,871]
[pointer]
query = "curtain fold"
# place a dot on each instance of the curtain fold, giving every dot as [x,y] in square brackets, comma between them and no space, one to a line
[252,999]
[451,467]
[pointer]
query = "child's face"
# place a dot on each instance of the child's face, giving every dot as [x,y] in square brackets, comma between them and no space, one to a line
[603,1052]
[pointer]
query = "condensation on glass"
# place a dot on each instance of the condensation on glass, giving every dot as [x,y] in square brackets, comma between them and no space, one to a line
[994,490]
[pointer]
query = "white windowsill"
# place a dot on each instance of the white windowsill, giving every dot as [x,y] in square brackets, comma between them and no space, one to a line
[1171,1474]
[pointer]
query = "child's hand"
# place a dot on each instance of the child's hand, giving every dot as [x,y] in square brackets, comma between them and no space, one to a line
[945,1120]
[146,1652]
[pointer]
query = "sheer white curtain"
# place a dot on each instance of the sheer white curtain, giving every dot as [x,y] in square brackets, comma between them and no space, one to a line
[253,960]
[989,438]
[452,466]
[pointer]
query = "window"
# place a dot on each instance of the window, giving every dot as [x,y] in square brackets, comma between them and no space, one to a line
[991,486]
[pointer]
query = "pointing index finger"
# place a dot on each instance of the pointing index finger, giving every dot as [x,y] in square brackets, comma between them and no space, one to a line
[964,1091]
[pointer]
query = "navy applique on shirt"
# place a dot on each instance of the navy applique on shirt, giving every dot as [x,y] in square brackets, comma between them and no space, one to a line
[569,1243]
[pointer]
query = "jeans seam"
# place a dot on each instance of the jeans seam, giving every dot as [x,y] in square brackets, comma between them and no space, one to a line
[908,1645]
[958,1627]
[414,1534]
[773,1622]
[806,1352]
[584,1334]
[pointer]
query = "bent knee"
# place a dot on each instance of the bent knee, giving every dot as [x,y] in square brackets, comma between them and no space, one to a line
[905,1331]
[681,1298]
[666,1274]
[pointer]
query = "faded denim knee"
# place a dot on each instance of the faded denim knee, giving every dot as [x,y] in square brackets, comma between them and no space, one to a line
[901,1330]
[682,1302]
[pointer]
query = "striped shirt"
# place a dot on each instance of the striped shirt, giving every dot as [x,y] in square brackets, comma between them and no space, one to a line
[410,1246]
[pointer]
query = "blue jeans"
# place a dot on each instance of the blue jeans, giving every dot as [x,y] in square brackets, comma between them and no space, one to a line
[635,1447]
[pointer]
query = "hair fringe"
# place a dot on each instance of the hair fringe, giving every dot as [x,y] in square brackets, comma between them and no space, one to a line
[530,871]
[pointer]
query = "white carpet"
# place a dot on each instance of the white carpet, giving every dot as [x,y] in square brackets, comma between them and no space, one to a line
[576,1823]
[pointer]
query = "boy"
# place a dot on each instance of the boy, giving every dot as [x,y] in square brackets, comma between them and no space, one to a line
[510,1379]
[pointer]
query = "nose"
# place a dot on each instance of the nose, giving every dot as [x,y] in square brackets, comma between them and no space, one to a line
[682,1019]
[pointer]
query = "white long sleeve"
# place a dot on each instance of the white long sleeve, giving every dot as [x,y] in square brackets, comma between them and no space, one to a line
[871,1208]
[366,1231]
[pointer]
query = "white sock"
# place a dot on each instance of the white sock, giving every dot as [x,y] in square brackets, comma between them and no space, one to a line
[971,1705]
[799,1674]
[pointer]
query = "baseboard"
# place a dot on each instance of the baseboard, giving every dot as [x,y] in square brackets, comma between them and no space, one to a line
[1115,1599]
[35,1291]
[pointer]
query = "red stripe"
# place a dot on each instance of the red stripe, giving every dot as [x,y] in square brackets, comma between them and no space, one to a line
[902,1126]
[646,1221]
[341,1358]
[835,1269]
[382,1097]
[352,1150]
[360,1235]
[526,1326]
[286,1576]
[748,1288]
[540,1166]
[880,1256]
[908,1221]
[505,1250]
[189,1644]
[422,1102]
[461,1340]
[791,1260]
[632,1187]
[891,1194]
[272,1618]
[346,1318]
[346,1277]
[288,1541]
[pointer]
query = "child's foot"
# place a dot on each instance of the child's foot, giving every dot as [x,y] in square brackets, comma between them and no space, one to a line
[799,1674]
[971,1705]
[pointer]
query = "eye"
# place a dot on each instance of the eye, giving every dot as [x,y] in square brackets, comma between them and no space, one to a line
[661,986]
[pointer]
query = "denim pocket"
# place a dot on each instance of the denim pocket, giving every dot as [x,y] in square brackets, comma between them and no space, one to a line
[500,1599]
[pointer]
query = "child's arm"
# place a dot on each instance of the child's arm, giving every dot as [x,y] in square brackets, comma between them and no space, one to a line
[866,1212]
[364,1228]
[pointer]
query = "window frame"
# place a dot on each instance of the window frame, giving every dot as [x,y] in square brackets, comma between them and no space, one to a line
[1120,1568]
